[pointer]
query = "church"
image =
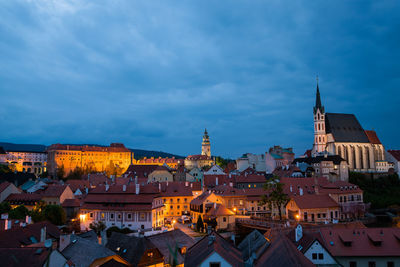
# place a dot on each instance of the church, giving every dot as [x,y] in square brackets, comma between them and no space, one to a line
[342,134]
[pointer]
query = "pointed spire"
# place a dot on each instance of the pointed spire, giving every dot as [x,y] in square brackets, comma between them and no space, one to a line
[318,104]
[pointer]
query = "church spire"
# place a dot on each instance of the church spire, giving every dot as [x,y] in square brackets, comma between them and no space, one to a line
[318,104]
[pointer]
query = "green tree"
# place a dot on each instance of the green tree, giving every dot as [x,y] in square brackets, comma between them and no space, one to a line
[37,213]
[98,227]
[19,212]
[55,214]
[60,172]
[199,224]
[274,197]
[4,207]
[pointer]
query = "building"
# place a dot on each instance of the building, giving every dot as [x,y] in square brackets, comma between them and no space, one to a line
[202,160]
[311,244]
[393,156]
[7,189]
[277,157]
[160,174]
[3,156]
[170,162]
[28,161]
[252,247]
[333,167]
[137,207]
[342,134]
[249,160]
[29,200]
[115,159]
[176,198]
[213,250]
[363,246]
[56,194]
[250,181]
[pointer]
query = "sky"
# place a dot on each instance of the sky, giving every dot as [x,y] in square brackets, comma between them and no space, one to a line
[154,74]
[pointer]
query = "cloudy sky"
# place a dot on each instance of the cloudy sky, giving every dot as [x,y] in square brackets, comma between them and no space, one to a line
[154,74]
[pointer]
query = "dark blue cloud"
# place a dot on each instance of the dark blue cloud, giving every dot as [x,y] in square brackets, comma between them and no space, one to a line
[153,74]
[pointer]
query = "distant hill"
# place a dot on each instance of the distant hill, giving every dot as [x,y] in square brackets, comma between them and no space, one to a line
[138,153]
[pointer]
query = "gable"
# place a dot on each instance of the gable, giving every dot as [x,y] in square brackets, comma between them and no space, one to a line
[317,247]
[214,257]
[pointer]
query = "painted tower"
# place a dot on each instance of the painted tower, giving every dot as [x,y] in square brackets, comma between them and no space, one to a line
[205,145]
[319,125]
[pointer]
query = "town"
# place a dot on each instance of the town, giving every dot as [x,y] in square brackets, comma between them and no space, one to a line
[90,205]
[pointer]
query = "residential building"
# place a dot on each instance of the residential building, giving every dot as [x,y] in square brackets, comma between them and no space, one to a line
[56,194]
[195,175]
[29,200]
[393,156]
[342,135]
[214,170]
[363,246]
[3,156]
[250,181]
[176,198]
[213,250]
[201,204]
[136,207]
[115,157]
[161,174]
[249,160]
[7,189]
[277,157]
[225,218]
[333,167]
[253,246]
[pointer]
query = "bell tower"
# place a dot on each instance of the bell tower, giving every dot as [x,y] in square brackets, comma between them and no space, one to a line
[205,145]
[319,125]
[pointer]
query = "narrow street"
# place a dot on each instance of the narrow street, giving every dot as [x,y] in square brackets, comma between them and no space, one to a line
[184,228]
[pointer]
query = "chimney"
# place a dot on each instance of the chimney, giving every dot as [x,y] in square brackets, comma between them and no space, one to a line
[215,205]
[231,184]
[230,175]
[300,191]
[216,181]
[191,185]
[65,240]
[7,224]
[43,234]
[107,187]
[124,187]
[135,179]
[137,189]
[28,219]
[86,190]
[159,187]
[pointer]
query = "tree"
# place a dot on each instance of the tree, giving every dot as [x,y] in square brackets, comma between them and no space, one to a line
[275,195]
[18,213]
[37,212]
[199,224]
[97,227]
[60,172]
[55,214]
[4,207]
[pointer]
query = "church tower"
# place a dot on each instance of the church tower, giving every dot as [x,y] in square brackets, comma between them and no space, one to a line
[319,125]
[205,145]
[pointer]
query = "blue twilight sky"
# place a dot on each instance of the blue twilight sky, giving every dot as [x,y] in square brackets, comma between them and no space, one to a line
[154,74]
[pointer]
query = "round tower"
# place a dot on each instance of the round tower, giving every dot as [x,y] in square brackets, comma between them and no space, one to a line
[205,145]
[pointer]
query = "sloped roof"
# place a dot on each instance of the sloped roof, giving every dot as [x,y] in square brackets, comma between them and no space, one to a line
[252,243]
[219,210]
[83,251]
[21,236]
[362,241]
[175,189]
[110,261]
[140,170]
[3,186]
[345,128]
[395,154]
[313,201]
[165,241]
[203,248]
[283,253]
[336,159]
[372,137]
[78,184]
[251,178]
[18,257]
[54,190]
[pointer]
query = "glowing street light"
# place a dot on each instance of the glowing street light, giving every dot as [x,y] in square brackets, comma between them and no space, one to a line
[82,217]
[297,216]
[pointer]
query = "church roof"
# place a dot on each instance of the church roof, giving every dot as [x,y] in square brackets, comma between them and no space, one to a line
[373,138]
[345,128]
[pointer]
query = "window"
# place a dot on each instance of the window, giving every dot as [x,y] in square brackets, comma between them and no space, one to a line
[112,216]
[129,216]
[353,264]
[320,256]
[371,264]
[314,256]
[91,215]
[215,264]
[390,264]
[224,219]
[119,216]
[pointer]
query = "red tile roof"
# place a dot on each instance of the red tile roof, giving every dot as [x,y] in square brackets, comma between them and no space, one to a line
[372,137]
[17,237]
[313,201]
[210,180]
[24,197]
[71,203]
[172,189]
[114,147]
[395,154]
[78,184]
[3,186]
[54,190]
[219,210]
[140,170]
[198,157]
[387,242]
[251,178]
[96,179]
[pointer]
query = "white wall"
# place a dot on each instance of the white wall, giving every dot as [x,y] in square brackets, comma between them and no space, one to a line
[317,248]
[215,257]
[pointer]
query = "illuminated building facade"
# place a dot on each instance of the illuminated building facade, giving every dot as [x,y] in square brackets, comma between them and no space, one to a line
[27,161]
[342,134]
[93,158]
[171,162]
[202,160]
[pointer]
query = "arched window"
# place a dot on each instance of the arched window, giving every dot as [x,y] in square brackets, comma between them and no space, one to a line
[360,152]
[319,126]
[322,126]
[368,158]
[320,139]
[318,116]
